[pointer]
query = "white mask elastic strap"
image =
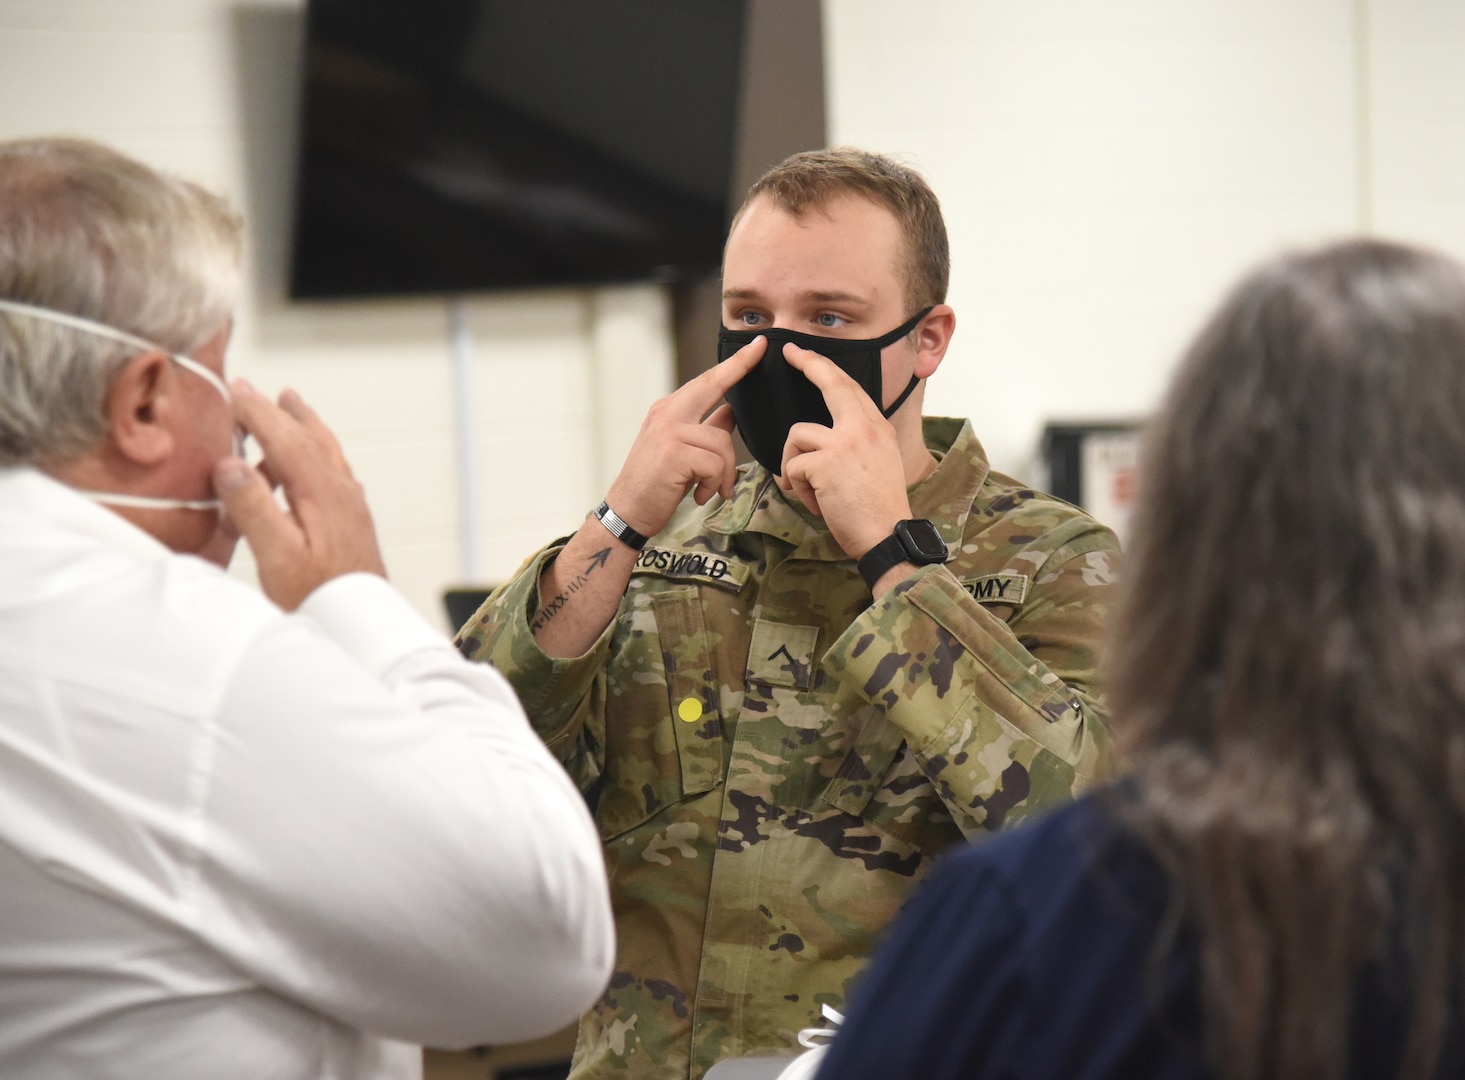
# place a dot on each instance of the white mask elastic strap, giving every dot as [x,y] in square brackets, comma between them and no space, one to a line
[76,322]
[148,502]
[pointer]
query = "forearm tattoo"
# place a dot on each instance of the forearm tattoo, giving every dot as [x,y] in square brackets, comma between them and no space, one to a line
[556,604]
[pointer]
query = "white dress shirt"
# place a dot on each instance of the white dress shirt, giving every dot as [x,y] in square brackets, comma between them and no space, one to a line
[240,843]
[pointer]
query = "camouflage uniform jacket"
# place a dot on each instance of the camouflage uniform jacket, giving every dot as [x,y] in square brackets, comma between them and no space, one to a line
[773,759]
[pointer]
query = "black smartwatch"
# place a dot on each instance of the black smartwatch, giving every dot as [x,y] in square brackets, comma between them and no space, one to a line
[915,540]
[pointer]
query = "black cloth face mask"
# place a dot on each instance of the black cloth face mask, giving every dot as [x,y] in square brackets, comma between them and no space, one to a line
[775,395]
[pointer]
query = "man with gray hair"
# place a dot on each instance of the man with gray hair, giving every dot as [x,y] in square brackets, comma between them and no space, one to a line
[240,837]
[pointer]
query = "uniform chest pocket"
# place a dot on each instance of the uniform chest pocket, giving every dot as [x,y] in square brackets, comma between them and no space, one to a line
[664,734]
[693,701]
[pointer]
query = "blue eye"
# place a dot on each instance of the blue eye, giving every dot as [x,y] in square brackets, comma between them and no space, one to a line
[829,320]
[749,318]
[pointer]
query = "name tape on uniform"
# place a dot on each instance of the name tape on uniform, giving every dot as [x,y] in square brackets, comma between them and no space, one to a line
[692,566]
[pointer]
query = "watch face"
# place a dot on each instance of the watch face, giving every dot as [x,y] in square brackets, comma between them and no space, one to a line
[921,540]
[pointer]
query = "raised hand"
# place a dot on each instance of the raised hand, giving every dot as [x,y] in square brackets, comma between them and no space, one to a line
[326,531]
[851,474]
[684,442]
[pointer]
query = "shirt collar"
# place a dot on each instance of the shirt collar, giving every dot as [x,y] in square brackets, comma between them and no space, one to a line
[945,496]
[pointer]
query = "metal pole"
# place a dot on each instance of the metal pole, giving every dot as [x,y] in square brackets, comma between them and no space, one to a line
[462,349]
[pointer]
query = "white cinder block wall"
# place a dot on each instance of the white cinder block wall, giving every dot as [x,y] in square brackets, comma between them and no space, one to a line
[1106,171]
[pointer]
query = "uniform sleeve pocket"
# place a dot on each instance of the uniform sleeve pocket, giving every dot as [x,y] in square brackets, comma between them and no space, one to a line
[863,769]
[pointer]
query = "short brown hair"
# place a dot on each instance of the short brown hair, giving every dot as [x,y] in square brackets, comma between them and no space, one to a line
[813,178]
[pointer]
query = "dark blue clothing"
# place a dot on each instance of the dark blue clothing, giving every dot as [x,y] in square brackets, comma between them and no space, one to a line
[1030,957]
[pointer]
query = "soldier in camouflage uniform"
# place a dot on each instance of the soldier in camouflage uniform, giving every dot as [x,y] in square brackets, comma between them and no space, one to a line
[775,746]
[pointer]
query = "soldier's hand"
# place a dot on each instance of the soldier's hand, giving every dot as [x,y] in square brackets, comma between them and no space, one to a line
[326,531]
[684,443]
[851,474]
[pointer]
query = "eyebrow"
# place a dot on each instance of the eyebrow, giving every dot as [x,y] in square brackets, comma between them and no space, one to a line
[817,296]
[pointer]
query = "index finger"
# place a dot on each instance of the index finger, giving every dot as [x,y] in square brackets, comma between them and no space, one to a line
[292,403]
[702,394]
[283,436]
[259,416]
[842,395]
[290,419]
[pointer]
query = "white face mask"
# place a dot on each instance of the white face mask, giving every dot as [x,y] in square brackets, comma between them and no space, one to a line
[76,322]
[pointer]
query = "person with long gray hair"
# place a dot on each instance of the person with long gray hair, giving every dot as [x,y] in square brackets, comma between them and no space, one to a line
[1277,889]
[241,836]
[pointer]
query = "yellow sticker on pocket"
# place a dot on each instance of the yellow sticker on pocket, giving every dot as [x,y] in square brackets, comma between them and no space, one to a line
[690,710]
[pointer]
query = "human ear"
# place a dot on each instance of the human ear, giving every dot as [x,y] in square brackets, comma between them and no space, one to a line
[140,406]
[932,337]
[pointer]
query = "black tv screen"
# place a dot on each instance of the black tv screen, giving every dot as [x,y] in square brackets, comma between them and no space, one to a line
[460,145]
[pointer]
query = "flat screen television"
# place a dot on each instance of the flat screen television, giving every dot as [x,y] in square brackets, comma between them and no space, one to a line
[450,146]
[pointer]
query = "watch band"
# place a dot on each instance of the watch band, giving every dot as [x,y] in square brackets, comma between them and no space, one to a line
[880,558]
[915,540]
[618,528]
